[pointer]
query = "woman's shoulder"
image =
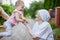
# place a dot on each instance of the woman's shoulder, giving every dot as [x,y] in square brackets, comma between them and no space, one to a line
[46,23]
[43,23]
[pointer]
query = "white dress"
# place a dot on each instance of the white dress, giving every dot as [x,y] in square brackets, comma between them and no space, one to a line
[43,31]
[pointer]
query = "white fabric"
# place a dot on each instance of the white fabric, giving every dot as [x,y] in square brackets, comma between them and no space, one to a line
[43,31]
[44,14]
[8,30]
[20,32]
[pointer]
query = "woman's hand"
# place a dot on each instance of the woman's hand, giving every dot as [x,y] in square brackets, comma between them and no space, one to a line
[4,14]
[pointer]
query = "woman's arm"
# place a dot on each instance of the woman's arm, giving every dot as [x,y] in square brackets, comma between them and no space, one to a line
[3,13]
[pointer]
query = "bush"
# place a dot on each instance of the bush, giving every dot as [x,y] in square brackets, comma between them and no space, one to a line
[26,12]
[50,4]
[52,25]
[1,20]
[8,9]
[34,6]
[56,33]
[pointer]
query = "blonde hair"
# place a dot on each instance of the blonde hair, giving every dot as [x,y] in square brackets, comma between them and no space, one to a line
[19,3]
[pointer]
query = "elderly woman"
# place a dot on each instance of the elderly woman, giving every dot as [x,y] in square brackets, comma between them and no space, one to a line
[42,29]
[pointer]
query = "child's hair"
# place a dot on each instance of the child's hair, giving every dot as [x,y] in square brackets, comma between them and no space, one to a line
[19,3]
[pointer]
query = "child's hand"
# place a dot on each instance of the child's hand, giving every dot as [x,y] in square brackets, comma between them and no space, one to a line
[26,21]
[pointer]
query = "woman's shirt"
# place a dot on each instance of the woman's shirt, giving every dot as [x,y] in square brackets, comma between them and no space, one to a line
[12,18]
[43,31]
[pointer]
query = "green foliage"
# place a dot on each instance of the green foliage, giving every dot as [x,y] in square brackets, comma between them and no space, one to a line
[26,12]
[1,20]
[34,7]
[48,4]
[52,25]
[56,33]
[8,9]
[51,4]
[57,3]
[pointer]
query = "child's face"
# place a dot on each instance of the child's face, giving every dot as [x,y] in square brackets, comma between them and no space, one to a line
[20,8]
[38,18]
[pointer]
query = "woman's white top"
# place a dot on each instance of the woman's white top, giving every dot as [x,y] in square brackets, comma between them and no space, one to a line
[43,31]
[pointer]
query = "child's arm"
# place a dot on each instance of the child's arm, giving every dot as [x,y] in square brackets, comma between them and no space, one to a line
[3,13]
[24,19]
[18,18]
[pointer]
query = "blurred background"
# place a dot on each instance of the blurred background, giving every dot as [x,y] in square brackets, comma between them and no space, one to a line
[31,6]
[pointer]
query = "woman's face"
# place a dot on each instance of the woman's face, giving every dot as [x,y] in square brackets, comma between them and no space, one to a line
[38,18]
